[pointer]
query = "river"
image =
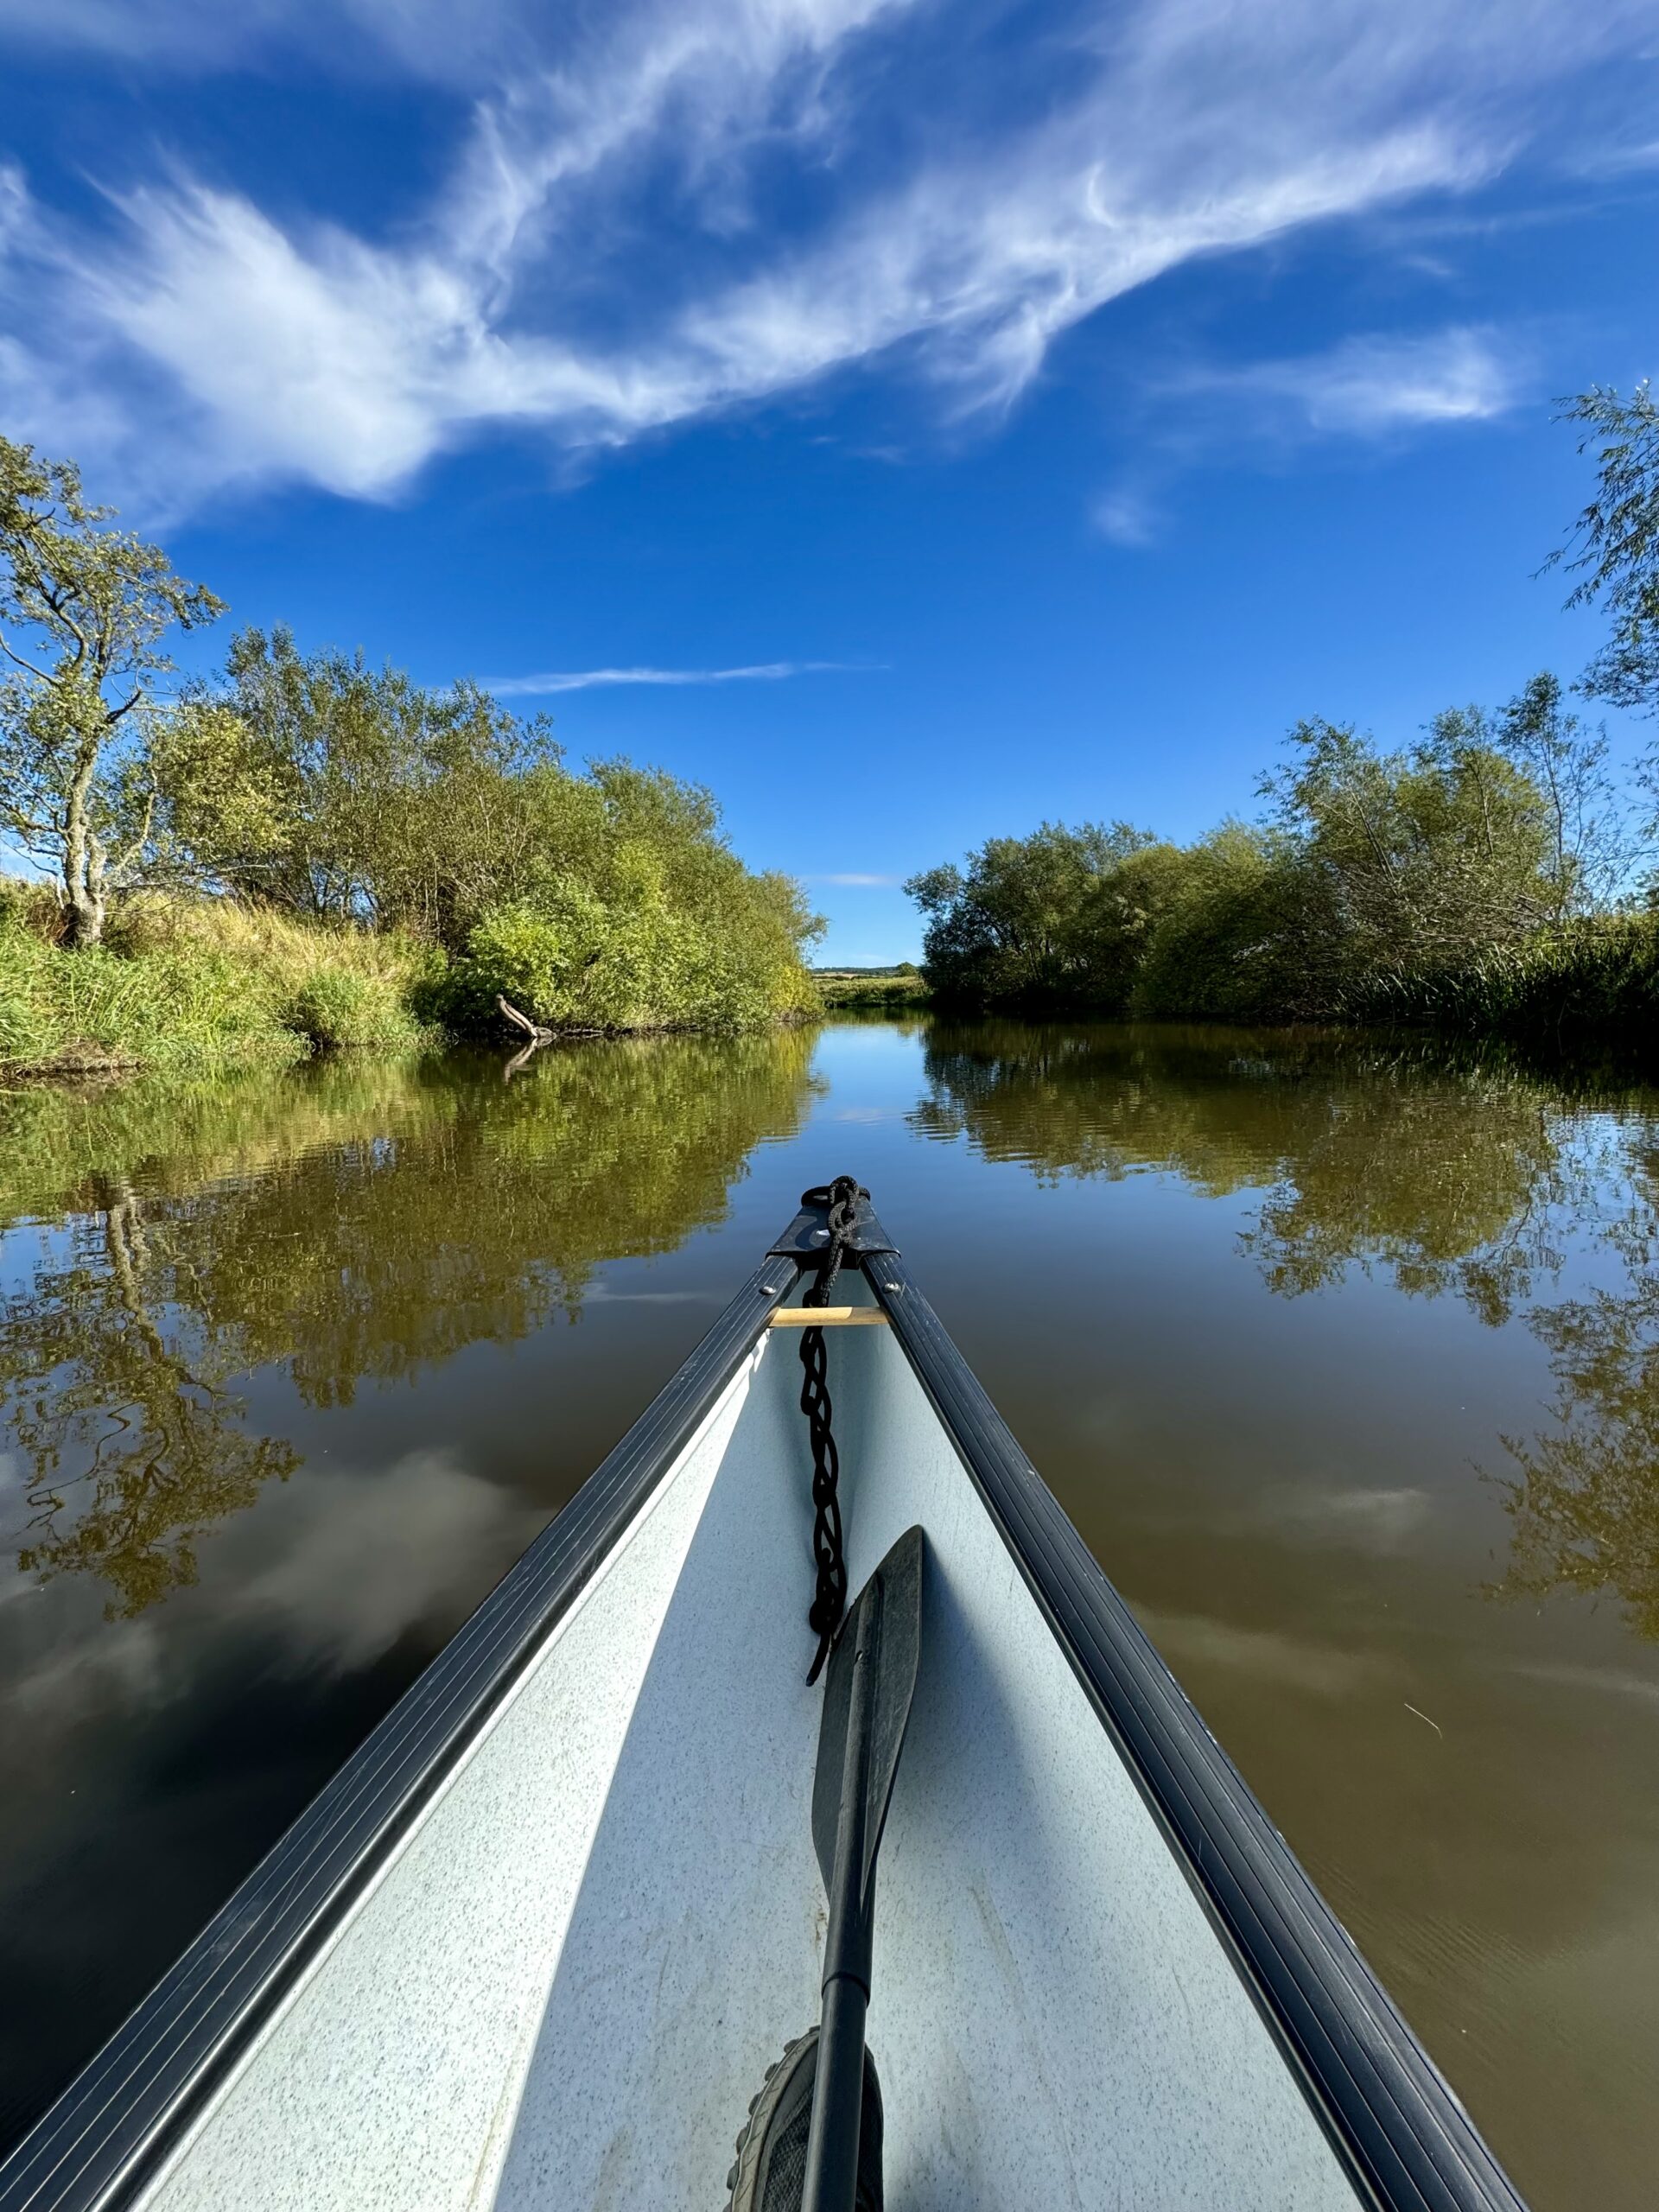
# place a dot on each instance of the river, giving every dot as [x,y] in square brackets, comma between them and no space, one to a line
[1342,1352]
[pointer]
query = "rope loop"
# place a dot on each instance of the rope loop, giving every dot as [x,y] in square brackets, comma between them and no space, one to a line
[840,1200]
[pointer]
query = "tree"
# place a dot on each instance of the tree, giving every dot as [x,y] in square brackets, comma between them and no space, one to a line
[1018,923]
[1424,856]
[350,793]
[1590,851]
[83,611]
[1614,547]
[1246,932]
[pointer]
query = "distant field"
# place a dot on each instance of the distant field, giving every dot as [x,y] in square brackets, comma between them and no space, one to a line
[894,987]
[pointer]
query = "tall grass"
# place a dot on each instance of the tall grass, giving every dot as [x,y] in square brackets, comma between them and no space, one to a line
[1596,981]
[194,984]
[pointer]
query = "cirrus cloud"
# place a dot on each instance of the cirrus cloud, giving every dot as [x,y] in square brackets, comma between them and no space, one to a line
[607,256]
[587,679]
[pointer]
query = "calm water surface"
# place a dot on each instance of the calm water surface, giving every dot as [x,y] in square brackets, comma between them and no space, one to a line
[1344,1357]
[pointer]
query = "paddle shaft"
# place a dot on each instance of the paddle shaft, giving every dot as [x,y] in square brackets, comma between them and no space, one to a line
[838,2090]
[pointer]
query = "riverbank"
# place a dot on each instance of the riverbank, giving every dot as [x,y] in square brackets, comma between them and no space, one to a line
[1591,986]
[199,985]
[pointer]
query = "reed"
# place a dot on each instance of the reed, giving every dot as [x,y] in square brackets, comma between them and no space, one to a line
[1593,979]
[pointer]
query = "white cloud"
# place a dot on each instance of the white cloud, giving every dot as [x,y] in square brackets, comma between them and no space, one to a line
[603,260]
[1368,386]
[1126,516]
[586,679]
[854,881]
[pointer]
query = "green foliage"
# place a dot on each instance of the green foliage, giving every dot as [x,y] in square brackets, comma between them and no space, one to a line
[93,1009]
[84,610]
[338,1006]
[193,985]
[1020,924]
[1615,545]
[1238,936]
[1382,883]
[573,962]
[1421,853]
[330,788]
[608,901]
[319,787]
[1597,978]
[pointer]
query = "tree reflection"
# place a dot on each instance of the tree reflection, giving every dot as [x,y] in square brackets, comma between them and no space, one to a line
[349,1221]
[1455,1174]
[1585,1503]
[1447,1176]
[135,1444]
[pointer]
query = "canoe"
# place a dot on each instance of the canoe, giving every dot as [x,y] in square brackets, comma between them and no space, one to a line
[540,1940]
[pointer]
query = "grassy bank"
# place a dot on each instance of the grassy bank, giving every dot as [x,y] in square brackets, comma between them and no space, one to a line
[196,985]
[202,984]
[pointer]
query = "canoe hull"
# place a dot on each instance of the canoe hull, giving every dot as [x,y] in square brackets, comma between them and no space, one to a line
[556,1971]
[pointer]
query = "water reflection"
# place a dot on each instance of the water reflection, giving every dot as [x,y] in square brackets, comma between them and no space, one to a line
[356,1222]
[133,1441]
[1460,1176]
[1585,1506]
[294,1352]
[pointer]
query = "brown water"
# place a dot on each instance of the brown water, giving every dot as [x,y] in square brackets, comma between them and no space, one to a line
[1344,1356]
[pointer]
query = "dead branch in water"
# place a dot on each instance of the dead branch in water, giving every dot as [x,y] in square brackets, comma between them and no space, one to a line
[531,1029]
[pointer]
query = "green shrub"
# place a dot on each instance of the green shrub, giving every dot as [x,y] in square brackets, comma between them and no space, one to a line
[94,1008]
[193,984]
[339,1006]
[572,962]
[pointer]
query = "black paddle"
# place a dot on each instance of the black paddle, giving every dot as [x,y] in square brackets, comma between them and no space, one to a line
[866,1699]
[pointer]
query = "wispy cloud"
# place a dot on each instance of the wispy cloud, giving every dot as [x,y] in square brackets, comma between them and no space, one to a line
[1126,516]
[1369,386]
[853,882]
[1366,389]
[600,261]
[587,679]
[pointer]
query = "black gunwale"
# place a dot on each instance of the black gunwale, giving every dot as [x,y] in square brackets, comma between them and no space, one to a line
[105,2137]
[1406,2135]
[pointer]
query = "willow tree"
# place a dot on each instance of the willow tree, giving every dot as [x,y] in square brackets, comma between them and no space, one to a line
[84,609]
[1614,549]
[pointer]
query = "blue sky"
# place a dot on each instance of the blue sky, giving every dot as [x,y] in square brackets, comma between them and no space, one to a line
[1038,406]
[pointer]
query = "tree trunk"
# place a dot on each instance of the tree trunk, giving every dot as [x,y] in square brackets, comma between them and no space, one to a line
[86,920]
[83,858]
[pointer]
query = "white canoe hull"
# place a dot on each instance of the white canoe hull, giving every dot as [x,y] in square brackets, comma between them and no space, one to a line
[552,1971]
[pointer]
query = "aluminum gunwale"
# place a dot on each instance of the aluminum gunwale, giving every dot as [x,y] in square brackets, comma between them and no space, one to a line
[103,2140]
[1383,2098]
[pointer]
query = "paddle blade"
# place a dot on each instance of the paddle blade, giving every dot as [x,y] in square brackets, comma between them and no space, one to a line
[887,1615]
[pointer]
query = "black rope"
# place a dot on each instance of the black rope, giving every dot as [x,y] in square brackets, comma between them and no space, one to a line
[830,1600]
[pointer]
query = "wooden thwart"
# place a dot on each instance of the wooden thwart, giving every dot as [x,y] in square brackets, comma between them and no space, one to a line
[829,1317]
